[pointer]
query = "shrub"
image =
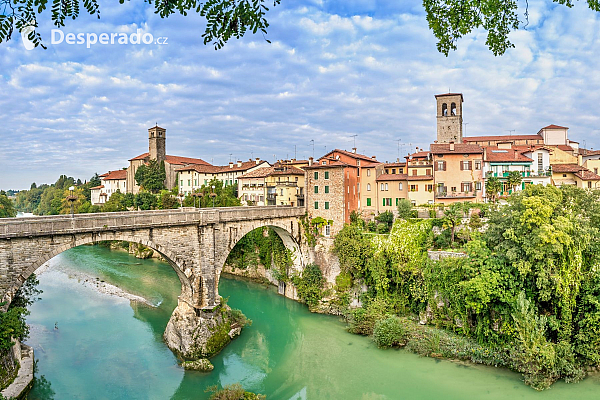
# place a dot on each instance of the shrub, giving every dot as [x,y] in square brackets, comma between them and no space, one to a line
[389,332]
[310,284]
[405,209]
[234,391]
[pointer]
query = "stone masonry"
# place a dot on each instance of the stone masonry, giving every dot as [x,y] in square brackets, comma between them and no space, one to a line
[195,242]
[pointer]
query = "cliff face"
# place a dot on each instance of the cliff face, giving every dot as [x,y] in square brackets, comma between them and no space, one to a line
[9,365]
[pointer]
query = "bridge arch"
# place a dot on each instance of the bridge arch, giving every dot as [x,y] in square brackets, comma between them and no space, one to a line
[288,230]
[187,293]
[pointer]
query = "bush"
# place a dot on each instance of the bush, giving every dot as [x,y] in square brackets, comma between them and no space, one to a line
[362,320]
[234,391]
[310,284]
[405,209]
[389,332]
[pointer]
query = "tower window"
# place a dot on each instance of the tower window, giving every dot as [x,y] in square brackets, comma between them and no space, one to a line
[445,110]
[453,109]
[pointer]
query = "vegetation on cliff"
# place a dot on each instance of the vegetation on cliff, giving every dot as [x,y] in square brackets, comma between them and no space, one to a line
[528,294]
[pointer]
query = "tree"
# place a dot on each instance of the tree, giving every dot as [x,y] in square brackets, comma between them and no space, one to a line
[224,19]
[151,177]
[404,209]
[450,20]
[116,203]
[145,201]
[514,179]
[7,208]
[493,186]
[387,218]
[452,218]
[166,200]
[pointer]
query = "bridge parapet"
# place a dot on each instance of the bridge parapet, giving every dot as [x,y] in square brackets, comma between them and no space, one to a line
[99,222]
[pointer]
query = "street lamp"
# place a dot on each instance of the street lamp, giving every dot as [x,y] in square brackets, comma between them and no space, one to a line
[72,198]
[213,195]
[181,196]
[197,195]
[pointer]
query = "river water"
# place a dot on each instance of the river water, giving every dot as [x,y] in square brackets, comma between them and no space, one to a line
[108,348]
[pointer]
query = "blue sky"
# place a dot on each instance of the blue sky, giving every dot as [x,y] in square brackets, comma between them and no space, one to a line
[334,69]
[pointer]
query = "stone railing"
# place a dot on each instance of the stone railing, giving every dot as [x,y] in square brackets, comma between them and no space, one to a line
[80,223]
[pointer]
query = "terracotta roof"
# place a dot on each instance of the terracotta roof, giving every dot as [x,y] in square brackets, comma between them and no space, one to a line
[501,137]
[459,148]
[449,94]
[566,168]
[420,154]
[201,168]
[175,160]
[244,166]
[555,127]
[103,175]
[392,177]
[287,170]
[564,147]
[494,154]
[394,164]
[587,175]
[419,177]
[586,152]
[97,187]
[115,175]
[258,173]
[351,154]
[332,164]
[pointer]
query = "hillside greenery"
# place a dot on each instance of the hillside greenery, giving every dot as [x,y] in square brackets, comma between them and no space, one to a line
[528,293]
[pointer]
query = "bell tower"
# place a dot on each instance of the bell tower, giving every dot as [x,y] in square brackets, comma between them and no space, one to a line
[157,137]
[449,117]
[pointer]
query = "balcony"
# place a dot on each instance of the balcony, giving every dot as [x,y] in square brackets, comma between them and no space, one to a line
[455,195]
[289,184]
[524,174]
[271,196]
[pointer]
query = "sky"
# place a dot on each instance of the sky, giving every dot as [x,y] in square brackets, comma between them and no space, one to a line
[337,71]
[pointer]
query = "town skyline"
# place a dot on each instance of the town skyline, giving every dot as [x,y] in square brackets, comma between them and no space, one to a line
[337,70]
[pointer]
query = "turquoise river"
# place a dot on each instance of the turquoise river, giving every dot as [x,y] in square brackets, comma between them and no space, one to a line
[108,348]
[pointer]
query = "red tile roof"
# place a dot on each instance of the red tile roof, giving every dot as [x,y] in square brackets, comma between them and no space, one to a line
[494,154]
[566,168]
[420,154]
[175,160]
[449,94]
[587,175]
[287,170]
[201,168]
[115,175]
[586,152]
[555,127]
[244,166]
[419,177]
[459,148]
[501,137]
[392,177]
[258,173]
[394,164]
[564,147]
[97,187]
[351,154]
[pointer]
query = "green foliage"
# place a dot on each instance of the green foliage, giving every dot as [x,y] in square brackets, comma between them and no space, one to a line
[145,201]
[166,200]
[7,208]
[389,332]
[115,203]
[493,186]
[12,325]
[387,218]
[27,294]
[151,177]
[310,285]
[405,209]
[353,250]
[234,391]
[453,216]
[362,320]
[514,179]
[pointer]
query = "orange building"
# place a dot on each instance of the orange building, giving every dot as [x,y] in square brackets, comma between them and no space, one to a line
[458,172]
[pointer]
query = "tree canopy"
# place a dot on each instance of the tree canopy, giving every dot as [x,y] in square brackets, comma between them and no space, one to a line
[449,20]
[7,208]
[151,177]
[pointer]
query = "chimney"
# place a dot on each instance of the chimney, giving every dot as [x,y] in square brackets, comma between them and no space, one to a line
[310,161]
[580,159]
[239,163]
[484,153]
[230,164]
[516,154]
[354,150]
[374,157]
[451,146]
[257,160]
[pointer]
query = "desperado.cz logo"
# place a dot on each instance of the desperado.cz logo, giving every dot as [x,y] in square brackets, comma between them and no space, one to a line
[90,38]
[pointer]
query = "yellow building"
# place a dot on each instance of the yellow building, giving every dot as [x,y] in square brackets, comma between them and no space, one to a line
[285,186]
[391,188]
[419,171]
[576,175]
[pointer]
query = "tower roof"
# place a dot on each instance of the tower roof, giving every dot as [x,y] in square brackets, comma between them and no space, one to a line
[450,94]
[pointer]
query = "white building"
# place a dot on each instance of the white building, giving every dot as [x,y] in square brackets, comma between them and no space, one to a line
[110,183]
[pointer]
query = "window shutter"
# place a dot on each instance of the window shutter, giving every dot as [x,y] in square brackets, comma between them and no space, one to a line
[470,165]
[444,165]
[461,166]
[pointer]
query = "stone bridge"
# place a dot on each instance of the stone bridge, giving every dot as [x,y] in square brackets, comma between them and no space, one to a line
[195,242]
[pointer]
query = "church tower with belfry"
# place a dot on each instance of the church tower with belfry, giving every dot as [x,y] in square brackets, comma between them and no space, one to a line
[449,117]
[157,138]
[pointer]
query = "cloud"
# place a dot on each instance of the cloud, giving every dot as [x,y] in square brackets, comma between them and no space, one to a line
[334,69]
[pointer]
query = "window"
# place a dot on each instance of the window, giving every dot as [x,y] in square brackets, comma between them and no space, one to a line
[440,166]
[316,205]
[397,201]
[182,182]
[316,175]
[358,162]
[316,189]
[465,165]
[205,182]
[327,230]
[541,162]
[327,205]
[326,174]
[564,175]
[444,110]
[326,190]
[388,201]
[189,182]
[465,187]
[453,109]
[400,186]
[368,187]
[414,188]
[477,185]
[477,165]
[324,162]
[414,172]
[195,182]
[382,187]
[430,188]
[368,202]
[368,172]
[589,184]
[393,170]
[386,187]
[358,172]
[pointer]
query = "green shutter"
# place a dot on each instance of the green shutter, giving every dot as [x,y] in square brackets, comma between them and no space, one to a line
[327,205]
[326,174]
[316,189]
[383,202]
[368,201]
[316,205]
[326,189]
[316,175]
